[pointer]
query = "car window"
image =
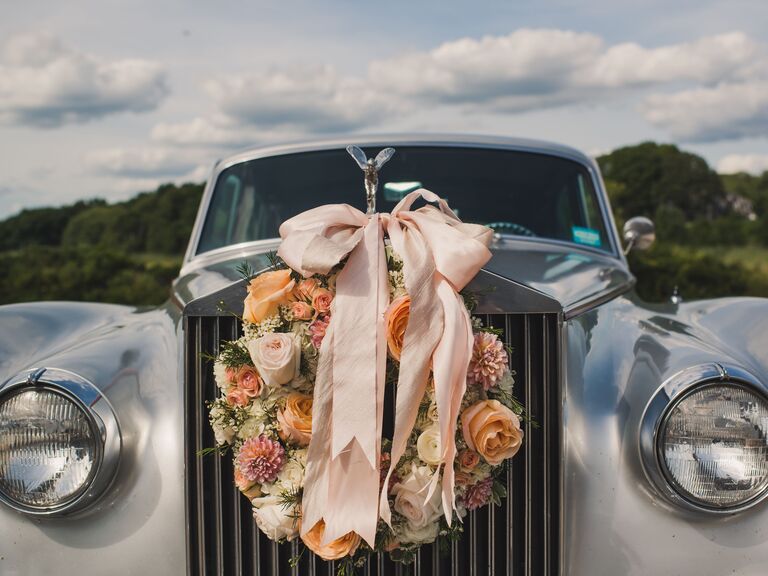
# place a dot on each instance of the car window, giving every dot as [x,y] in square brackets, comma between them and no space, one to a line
[516,193]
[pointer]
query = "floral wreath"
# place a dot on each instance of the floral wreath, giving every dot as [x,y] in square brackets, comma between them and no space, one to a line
[300,449]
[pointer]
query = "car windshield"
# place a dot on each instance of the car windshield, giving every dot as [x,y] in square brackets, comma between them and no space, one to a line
[517,193]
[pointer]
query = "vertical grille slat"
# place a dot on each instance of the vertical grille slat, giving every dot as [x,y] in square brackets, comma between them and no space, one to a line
[520,538]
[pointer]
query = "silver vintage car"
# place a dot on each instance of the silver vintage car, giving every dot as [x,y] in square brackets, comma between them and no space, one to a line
[648,455]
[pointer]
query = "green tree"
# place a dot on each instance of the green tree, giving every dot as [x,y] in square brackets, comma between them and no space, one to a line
[649,175]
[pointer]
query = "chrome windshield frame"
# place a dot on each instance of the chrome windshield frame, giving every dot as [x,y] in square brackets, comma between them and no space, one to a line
[434,140]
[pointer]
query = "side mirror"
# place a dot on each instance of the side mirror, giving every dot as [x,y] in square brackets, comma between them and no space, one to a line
[639,234]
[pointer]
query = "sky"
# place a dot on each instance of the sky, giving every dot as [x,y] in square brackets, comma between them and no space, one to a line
[109,98]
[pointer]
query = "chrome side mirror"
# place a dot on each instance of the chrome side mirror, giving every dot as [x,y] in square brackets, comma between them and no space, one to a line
[639,234]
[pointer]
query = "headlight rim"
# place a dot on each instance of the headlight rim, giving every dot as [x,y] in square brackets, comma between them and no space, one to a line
[673,391]
[104,426]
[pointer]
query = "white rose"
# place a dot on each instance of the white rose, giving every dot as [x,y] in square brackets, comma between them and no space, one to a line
[411,497]
[251,428]
[291,476]
[274,520]
[276,356]
[406,534]
[428,446]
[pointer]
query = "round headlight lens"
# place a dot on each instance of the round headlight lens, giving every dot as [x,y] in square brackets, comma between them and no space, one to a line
[48,449]
[713,446]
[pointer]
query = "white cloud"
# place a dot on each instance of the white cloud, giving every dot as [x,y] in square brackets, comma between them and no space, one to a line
[528,69]
[141,162]
[726,111]
[44,83]
[706,60]
[219,132]
[749,163]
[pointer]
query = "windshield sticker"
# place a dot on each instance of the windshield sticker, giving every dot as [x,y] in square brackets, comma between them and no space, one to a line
[586,236]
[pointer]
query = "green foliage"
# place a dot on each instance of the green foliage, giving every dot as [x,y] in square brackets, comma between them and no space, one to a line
[90,274]
[40,226]
[697,274]
[641,178]
[157,222]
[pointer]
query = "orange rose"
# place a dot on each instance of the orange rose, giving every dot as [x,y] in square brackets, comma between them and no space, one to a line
[296,419]
[396,320]
[344,546]
[492,430]
[266,292]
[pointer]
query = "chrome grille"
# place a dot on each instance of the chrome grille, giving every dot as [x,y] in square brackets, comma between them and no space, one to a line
[519,538]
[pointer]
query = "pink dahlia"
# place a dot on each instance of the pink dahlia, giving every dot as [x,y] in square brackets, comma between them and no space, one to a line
[260,459]
[478,494]
[489,360]
[317,330]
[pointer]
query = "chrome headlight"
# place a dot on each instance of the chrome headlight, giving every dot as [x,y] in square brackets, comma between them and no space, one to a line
[704,439]
[59,443]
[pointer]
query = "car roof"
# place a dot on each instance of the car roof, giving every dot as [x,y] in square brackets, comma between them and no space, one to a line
[407,139]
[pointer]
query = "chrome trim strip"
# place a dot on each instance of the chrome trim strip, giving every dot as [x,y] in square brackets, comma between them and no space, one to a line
[104,426]
[671,391]
[510,509]
[598,299]
[528,451]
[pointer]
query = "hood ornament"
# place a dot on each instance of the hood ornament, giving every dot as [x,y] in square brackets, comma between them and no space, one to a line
[371,167]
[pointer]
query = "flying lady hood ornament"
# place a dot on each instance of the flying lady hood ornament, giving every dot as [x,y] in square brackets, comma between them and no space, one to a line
[371,167]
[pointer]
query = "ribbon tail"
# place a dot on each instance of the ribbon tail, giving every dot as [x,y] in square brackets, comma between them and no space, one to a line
[449,366]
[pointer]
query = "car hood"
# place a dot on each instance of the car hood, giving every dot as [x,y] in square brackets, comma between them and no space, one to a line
[576,278]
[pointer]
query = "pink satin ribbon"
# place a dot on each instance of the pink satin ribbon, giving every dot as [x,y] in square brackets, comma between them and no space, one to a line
[440,256]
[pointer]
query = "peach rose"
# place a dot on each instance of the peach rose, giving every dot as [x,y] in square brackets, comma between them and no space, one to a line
[249,381]
[248,487]
[492,430]
[296,419]
[463,478]
[396,320]
[266,292]
[344,546]
[306,289]
[468,459]
[301,310]
[237,397]
[321,300]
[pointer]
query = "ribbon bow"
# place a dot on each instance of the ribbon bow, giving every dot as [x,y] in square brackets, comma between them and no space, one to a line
[440,256]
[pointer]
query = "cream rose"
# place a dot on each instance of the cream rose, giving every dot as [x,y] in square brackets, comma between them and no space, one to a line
[273,519]
[407,534]
[492,430]
[265,293]
[276,356]
[428,446]
[411,498]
